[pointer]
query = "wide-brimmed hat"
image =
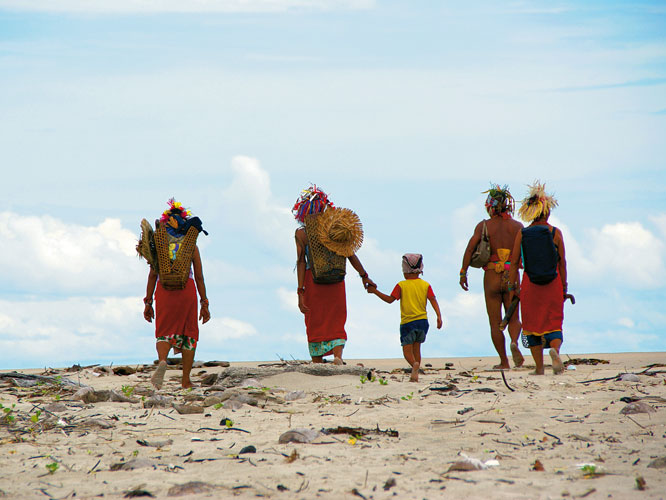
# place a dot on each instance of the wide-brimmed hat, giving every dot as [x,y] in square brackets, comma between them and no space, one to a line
[341,231]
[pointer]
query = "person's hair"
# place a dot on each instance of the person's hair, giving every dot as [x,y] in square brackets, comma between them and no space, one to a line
[499,201]
[312,200]
[537,204]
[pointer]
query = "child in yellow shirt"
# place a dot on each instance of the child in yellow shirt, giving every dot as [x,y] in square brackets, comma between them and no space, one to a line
[413,293]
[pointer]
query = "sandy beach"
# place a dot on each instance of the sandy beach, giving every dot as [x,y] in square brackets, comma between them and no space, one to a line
[462,431]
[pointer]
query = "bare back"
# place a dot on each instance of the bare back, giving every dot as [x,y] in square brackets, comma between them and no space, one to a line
[502,232]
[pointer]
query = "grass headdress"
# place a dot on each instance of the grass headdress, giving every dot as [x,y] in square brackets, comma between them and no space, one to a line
[537,204]
[499,201]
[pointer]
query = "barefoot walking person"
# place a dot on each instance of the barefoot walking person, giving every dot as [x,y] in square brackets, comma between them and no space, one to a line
[175,267]
[544,284]
[327,238]
[413,294]
[501,230]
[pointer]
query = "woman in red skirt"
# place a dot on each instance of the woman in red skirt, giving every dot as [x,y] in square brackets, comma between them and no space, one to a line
[544,285]
[176,310]
[324,305]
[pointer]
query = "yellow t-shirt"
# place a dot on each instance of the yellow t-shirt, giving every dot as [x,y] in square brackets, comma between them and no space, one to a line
[412,295]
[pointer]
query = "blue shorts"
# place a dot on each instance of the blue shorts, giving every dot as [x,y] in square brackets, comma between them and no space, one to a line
[413,332]
[544,340]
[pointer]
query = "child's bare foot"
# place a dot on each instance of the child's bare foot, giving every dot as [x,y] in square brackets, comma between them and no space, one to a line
[502,367]
[415,372]
[518,358]
[158,377]
[537,372]
[187,385]
[337,361]
[558,367]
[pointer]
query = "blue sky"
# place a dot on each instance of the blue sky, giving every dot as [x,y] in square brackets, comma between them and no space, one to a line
[402,111]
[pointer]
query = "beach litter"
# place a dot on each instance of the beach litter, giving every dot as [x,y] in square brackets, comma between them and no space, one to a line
[629,377]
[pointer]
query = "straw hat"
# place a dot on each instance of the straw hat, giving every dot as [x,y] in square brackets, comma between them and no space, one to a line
[341,231]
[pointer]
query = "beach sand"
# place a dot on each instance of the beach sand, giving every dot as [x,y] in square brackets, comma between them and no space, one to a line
[553,436]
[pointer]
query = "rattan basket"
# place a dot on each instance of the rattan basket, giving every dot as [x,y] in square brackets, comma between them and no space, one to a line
[327,267]
[174,273]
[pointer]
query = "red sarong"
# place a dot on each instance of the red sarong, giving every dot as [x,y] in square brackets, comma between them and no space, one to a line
[176,311]
[541,306]
[328,310]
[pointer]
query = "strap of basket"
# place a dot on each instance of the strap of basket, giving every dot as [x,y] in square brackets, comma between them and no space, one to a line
[174,274]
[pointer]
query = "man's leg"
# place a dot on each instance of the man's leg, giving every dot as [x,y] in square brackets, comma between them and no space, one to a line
[514,332]
[558,366]
[537,354]
[493,295]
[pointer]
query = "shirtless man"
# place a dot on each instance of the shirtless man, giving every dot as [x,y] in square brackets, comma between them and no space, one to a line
[502,230]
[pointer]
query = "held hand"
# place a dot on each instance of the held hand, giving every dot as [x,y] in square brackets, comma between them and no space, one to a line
[148,313]
[439,322]
[463,283]
[301,304]
[371,288]
[204,313]
[367,283]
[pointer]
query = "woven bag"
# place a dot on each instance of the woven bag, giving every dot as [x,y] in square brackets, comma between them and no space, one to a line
[174,273]
[327,267]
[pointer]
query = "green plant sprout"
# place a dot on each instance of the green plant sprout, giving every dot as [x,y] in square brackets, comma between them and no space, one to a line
[52,467]
[35,417]
[408,396]
[127,390]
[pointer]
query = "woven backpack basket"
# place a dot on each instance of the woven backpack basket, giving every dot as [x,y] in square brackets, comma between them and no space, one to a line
[174,273]
[327,266]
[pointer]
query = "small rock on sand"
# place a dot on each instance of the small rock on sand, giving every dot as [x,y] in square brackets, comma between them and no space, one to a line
[637,407]
[299,436]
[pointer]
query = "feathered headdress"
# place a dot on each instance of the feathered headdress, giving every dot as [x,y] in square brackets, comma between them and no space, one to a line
[175,208]
[311,201]
[499,201]
[537,204]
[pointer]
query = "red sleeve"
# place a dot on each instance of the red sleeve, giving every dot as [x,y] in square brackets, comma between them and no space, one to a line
[396,292]
[431,294]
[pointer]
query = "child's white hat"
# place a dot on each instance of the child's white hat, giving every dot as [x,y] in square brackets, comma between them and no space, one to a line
[412,263]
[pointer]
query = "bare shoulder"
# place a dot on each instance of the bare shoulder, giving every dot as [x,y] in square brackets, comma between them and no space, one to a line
[300,236]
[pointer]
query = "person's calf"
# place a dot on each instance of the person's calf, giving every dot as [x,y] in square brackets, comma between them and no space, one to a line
[415,372]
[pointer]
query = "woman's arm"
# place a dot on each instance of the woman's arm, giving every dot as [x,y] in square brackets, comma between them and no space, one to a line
[301,241]
[204,314]
[356,264]
[148,311]
[562,264]
[467,256]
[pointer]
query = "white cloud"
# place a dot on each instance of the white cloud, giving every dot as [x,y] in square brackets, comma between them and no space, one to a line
[287,298]
[628,322]
[55,332]
[46,254]
[228,328]
[249,206]
[624,253]
[175,6]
